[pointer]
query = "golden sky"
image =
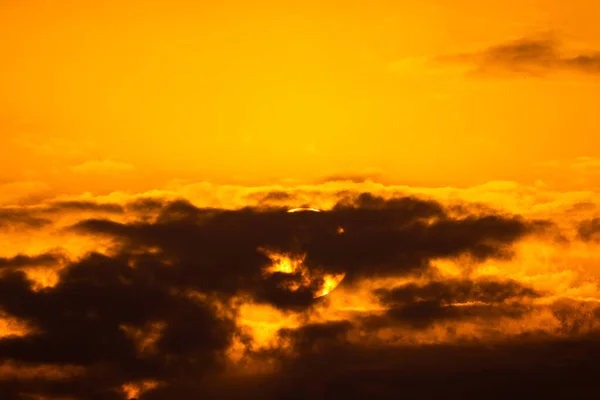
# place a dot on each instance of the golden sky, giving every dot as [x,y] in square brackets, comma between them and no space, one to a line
[441,157]
[105,95]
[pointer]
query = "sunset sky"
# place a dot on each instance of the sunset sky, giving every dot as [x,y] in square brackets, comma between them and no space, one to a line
[139,93]
[150,152]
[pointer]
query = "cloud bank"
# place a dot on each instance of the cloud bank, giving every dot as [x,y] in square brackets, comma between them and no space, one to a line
[379,294]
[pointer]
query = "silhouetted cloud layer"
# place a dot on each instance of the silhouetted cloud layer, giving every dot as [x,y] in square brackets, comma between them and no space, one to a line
[530,366]
[162,307]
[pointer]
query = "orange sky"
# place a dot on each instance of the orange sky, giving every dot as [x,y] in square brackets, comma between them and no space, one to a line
[112,95]
[441,157]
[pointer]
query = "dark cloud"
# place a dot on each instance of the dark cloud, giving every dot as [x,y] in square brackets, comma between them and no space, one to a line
[145,205]
[21,219]
[392,237]
[275,195]
[30,261]
[529,56]
[456,291]
[81,206]
[451,300]
[312,337]
[575,317]
[589,230]
[38,217]
[423,314]
[216,250]
[80,322]
[580,208]
[182,268]
[525,367]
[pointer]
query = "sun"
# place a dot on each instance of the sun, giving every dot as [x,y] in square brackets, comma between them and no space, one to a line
[330,282]
[300,275]
[301,209]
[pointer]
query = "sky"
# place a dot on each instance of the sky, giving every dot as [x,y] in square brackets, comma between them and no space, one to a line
[139,93]
[299,199]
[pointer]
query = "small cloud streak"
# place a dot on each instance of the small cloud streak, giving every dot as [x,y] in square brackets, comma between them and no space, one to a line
[102,167]
[527,56]
[23,371]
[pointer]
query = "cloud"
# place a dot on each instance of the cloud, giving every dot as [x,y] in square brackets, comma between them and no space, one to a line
[79,322]
[326,367]
[424,314]
[271,196]
[11,370]
[589,230]
[381,237]
[40,216]
[102,167]
[451,299]
[311,337]
[200,301]
[28,261]
[10,217]
[528,56]
[81,206]
[370,174]
[24,192]
[456,291]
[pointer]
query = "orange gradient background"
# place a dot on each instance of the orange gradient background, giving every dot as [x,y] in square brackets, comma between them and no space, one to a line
[129,95]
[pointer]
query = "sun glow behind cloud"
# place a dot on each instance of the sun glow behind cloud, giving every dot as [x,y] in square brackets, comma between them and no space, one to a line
[294,265]
[134,390]
[330,282]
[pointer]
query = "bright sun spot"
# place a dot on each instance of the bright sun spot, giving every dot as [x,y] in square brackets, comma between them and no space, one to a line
[287,263]
[330,282]
[299,209]
[284,263]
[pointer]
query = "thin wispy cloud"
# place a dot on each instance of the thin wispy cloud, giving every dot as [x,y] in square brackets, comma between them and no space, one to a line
[538,56]
[102,167]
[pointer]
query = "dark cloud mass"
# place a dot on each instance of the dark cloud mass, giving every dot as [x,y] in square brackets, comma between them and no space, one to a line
[271,196]
[530,367]
[21,219]
[456,291]
[28,218]
[29,261]
[530,56]
[216,250]
[421,306]
[590,230]
[161,306]
[85,206]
